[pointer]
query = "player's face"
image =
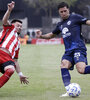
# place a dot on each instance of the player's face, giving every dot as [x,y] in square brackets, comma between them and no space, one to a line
[18,27]
[64,12]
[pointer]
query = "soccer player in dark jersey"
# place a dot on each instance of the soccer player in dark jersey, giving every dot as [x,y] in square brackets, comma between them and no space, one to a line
[75,49]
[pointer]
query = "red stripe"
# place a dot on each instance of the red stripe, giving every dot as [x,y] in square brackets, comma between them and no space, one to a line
[10,42]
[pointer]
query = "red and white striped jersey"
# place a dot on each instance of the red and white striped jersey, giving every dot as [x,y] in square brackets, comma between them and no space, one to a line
[9,40]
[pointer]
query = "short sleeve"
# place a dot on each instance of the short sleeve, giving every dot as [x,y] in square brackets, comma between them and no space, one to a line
[5,27]
[57,29]
[81,19]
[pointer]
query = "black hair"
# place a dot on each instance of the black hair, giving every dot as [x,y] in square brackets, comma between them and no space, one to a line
[16,20]
[63,4]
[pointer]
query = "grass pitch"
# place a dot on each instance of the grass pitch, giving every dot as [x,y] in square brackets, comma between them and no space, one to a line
[41,64]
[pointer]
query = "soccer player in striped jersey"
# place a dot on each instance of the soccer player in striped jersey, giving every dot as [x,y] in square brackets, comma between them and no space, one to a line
[75,49]
[9,48]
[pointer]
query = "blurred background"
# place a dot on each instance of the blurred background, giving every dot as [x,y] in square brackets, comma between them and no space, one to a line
[43,15]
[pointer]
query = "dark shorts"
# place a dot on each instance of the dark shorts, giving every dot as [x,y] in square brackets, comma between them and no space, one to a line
[75,56]
[5,60]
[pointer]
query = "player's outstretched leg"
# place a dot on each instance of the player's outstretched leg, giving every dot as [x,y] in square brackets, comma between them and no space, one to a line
[65,65]
[66,79]
[5,77]
[65,76]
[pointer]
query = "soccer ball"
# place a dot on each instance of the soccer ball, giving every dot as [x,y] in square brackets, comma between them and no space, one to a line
[74,90]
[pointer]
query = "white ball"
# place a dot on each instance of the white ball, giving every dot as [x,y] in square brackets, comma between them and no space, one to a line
[74,90]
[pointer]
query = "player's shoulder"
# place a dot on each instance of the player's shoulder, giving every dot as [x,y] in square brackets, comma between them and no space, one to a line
[59,23]
[8,26]
[75,15]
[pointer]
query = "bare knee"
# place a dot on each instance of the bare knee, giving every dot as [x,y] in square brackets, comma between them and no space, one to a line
[65,64]
[9,67]
[80,67]
[80,70]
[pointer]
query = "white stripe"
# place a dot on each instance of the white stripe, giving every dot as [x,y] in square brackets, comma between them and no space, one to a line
[15,50]
[8,38]
[12,45]
[1,33]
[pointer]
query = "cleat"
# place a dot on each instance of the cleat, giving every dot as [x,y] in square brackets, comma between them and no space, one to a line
[64,95]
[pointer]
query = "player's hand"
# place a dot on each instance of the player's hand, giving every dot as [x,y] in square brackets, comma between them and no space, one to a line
[11,5]
[38,33]
[24,79]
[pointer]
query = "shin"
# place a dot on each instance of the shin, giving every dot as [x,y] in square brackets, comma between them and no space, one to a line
[5,77]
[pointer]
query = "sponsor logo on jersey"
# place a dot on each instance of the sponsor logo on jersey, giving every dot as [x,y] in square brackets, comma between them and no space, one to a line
[65,32]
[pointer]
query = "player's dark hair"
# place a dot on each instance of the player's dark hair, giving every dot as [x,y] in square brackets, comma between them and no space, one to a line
[16,20]
[63,4]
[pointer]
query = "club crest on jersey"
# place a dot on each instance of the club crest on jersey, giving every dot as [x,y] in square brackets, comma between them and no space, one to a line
[69,22]
[61,26]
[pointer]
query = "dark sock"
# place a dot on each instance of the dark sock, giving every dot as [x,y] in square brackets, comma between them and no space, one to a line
[65,76]
[87,70]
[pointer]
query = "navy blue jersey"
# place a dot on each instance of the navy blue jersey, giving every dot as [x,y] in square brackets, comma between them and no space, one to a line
[71,32]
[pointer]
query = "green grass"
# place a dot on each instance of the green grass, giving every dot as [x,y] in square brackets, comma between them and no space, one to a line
[41,64]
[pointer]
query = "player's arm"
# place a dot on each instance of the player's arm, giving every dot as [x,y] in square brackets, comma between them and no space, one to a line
[46,36]
[88,22]
[23,78]
[8,12]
